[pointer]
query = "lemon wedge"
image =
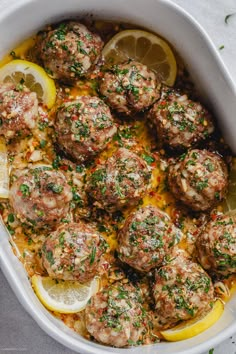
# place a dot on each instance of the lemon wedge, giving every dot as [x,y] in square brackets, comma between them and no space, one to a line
[195,326]
[64,296]
[32,76]
[143,47]
[4,171]
[229,204]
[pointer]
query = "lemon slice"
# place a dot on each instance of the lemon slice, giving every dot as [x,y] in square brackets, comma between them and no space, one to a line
[144,47]
[195,326]
[4,171]
[229,204]
[64,296]
[32,76]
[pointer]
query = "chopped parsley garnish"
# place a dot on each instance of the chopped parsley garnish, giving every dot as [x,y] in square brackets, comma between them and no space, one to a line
[149,159]
[72,106]
[93,254]
[43,143]
[10,230]
[55,188]
[118,71]
[194,155]
[13,54]
[50,44]
[76,68]
[49,257]
[64,47]
[89,36]
[81,49]
[11,218]
[126,133]
[119,89]
[48,71]
[182,157]
[210,166]
[56,162]
[217,195]
[79,168]
[61,32]
[191,162]
[181,303]
[82,131]
[61,238]
[202,185]
[42,125]
[133,89]
[76,197]
[98,176]
[25,190]
[102,228]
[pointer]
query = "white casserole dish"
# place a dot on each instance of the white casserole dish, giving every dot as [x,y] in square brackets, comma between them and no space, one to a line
[18,20]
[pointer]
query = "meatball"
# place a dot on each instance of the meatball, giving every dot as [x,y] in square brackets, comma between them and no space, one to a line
[217,245]
[40,197]
[199,179]
[69,51]
[180,122]
[84,127]
[73,252]
[182,290]
[18,111]
[114,316]
[147,239]
[130,88]
[120,181]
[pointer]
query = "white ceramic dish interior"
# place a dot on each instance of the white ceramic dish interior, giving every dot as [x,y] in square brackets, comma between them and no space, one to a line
[18,20]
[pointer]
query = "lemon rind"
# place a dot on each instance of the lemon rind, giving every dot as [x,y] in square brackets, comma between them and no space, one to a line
[177,333]
[38,72]
[59,306]
[111,45]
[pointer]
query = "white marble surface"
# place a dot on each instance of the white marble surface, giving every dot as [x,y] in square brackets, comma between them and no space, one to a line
[18,332]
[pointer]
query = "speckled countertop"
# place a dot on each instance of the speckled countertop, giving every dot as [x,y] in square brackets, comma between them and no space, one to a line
[18,332]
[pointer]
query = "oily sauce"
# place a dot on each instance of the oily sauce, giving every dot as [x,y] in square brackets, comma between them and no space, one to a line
[133,134]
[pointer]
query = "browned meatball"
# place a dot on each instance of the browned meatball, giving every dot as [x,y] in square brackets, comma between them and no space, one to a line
[180,122]
[18,111]
[182,290]
[40,197]
[130,88]
[70,51]
[147,239]
[84,127]
[73,252]
[217,245]
[114,316]
[199,179]
[120,181]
